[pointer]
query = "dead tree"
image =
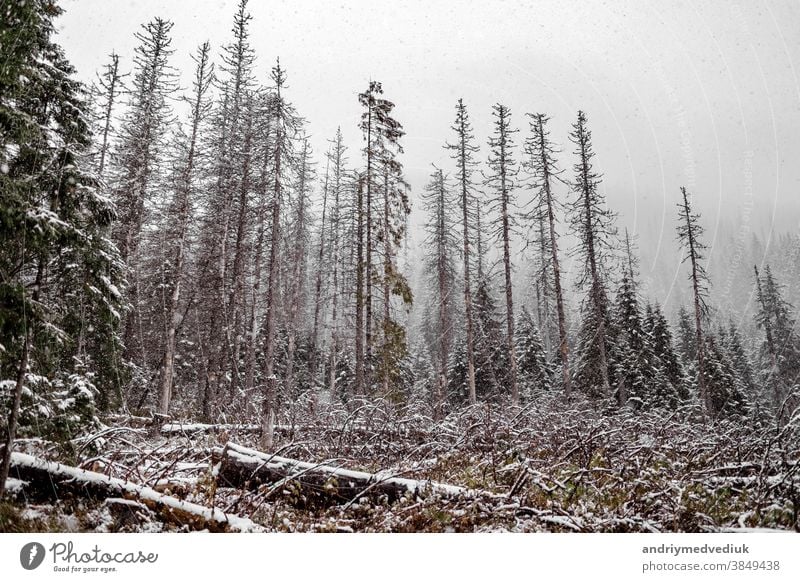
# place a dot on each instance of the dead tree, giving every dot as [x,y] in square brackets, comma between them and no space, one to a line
[592,223]
[337,157]
[501,180]
[286,124]
[463,152]
[180,215]
[441,244]
[110,86]
[542,164]
[298,258]
[689,233]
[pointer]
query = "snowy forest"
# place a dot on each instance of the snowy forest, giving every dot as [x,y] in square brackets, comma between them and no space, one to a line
[207,325]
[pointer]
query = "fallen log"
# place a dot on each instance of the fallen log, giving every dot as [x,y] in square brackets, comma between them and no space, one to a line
[241,467]
[174,428]
[50,481]
[360,432]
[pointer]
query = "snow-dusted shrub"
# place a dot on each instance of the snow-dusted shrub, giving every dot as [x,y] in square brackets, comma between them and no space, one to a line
[55,409]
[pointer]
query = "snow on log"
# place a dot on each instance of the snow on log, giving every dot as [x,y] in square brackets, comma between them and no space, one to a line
[49,480]
[349,430]
[200,428]
[238,466]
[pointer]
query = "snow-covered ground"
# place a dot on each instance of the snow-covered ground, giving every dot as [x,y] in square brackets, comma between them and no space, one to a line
[486,468]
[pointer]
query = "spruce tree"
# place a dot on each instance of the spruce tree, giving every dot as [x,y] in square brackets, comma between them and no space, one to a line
[501,180]
[632,350]
[297,244]
[337,158]
[781,345]
[439,206]
[180,214]
[286,125]
[491,349]
[381,134]
[463,153]
[106,92]
[139,178]
[722,382]
[669,383]
[542,165]
[689,234]
[593,225]
[60,275]
[687,339]
[394,220]
[535,372]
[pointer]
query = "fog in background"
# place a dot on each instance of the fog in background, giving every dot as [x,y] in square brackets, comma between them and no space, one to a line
[704,95]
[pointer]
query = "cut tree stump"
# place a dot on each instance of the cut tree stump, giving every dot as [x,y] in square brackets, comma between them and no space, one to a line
[47,480]
[241,467]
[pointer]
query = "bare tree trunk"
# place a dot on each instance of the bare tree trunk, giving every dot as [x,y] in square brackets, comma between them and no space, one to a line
[360,388]
[318,283]
[598,298]
[504,188]
[480,250]
[544,283]
[629,253]
[387,269]
[298,271]
[774,376]
[599,309]
[563,347]
[238,297]
[173,318]
[13,417]
[368,379]
[512,354]
[335,219]
[112,79]
[271,382]
[698,306]
[462,161]
[444,313]
[250,349]
[216,317]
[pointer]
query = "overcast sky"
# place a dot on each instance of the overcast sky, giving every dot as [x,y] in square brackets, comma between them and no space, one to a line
[702,94]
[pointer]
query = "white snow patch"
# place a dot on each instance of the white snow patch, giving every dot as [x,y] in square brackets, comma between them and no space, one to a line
[234,522]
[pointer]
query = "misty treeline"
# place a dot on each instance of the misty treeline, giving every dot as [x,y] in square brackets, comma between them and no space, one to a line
[183,251]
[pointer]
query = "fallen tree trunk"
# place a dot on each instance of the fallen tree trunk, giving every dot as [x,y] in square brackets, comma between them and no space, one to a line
[51,481]
[200,428]
[361,432]
[241,467]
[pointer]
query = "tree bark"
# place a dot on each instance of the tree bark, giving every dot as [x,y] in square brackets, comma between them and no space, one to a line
[598,299]
[698,310]
[465,227]
[50,481]
[563,343]
[360,388]
[318,282]
[271,382]
[243,467]
[387,268]
[13,417]
[173,317]
[506,236]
